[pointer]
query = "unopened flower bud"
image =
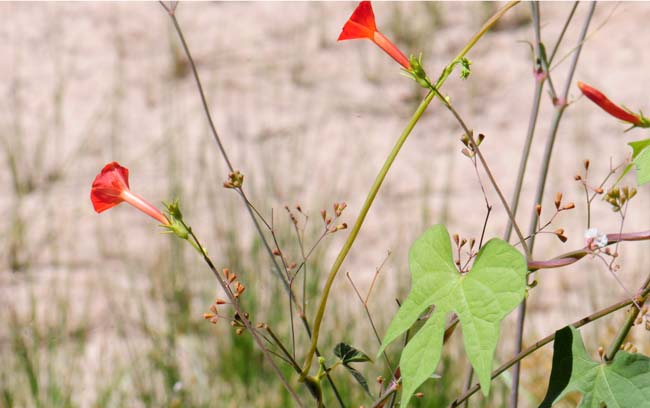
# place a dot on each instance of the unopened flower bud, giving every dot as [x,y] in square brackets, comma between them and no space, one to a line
[338,209]
[610,107]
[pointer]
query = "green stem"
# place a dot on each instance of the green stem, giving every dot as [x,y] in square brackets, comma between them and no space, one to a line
[374,189]
[278,343]
[633,313]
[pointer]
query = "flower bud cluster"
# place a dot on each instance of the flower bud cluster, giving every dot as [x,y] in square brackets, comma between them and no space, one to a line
[618,197]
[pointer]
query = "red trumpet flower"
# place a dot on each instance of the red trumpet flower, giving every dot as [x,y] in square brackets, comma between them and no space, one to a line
[610,107]
[111,187]
[362,25]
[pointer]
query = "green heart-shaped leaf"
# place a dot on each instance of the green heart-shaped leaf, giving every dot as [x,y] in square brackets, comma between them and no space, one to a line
[640,159]
[623,382]
[481,299]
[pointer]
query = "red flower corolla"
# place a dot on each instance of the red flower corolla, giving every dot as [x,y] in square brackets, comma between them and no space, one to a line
[610,107]
[362,25]
[111,187]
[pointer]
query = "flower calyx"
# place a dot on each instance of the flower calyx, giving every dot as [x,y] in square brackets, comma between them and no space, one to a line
[178,227]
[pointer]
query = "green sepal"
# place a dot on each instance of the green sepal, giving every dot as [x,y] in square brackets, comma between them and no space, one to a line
[417,72]
[178,227]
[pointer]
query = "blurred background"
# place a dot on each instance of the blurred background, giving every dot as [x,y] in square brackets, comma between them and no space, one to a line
[105,311]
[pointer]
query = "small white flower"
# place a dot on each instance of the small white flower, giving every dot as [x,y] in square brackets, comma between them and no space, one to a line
[591,233]
[178,386]
[594,239]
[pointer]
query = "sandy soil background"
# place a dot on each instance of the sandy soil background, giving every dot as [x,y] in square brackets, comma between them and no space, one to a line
[308,121]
